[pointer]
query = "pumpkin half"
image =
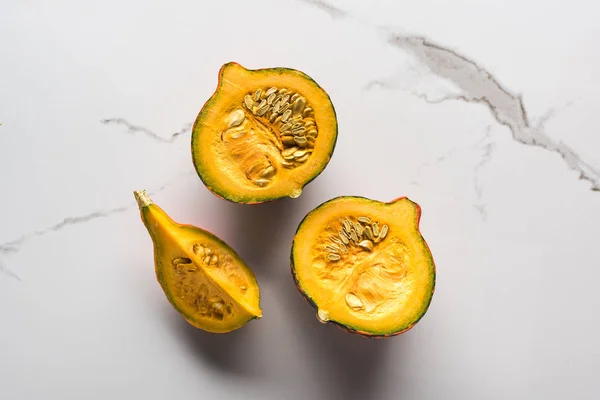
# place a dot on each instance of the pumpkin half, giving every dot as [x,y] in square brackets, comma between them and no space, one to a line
[202,277]
[364,265]
[264,134]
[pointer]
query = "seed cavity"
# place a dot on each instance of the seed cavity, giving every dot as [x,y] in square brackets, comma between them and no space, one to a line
[284,111]
[351,234]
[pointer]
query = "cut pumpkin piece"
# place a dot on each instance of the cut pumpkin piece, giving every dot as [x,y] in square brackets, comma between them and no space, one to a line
[364,265]
[202,277]
[264,134]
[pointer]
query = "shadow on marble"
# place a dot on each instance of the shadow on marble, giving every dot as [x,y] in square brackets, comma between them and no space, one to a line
[352,363]
[231,353]
[263,233]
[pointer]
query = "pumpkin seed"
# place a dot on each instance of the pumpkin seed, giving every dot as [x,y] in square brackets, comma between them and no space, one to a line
[198,249]
[271,91]
[287,140]
[271,98]
[335,239]
[303,158]
[368,232]
[344,238]
[384,232]
[346,225]
[331,249]
[236,118]
[268,172]
[262,104]
[312,132]
[299,131]
[282,90]
[277,106]
[300,153]
[261,182]
[285,98]
[375,229]
[366,244]
[248,101]
[359,229]
[299,105]
[353,236]
[284,107]
[286,115]
[307,112]
[273,117]
[257,95]
[333,257]
[294,97]
[262,111]
[289,151]
[300,140]
[285,127]
[364,220]
[353,301]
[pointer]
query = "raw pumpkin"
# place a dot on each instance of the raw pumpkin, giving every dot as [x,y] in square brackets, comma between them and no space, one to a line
[264,134]
[202,277]
[364,265]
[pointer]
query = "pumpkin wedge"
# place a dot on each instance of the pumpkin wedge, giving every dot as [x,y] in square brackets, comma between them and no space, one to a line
[202,277]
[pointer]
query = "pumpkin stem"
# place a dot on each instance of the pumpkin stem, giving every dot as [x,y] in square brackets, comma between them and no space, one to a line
[142,198]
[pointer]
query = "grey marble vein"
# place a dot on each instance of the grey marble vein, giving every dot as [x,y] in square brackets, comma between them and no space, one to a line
[448,154]
[15,245]
[488,151]
[333,11]
[152,135]
[7,272]
[477,86]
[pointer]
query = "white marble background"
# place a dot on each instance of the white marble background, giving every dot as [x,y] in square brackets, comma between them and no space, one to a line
[485,113]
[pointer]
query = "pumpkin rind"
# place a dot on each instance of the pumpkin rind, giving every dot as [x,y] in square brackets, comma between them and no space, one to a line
[217,159]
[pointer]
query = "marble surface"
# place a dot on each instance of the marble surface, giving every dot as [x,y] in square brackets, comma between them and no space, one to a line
[485,113]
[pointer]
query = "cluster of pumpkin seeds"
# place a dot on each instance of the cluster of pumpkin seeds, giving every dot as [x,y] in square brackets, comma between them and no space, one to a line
[213,258]
[291,117]
[197,294]
[362,233]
